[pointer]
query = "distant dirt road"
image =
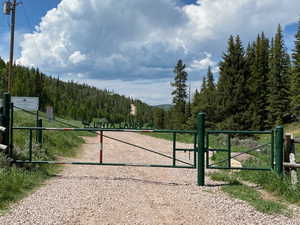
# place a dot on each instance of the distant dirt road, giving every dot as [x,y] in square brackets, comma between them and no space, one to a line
[92,195]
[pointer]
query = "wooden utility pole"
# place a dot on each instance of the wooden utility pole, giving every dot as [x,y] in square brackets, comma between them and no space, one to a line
[10,9]
[12,42]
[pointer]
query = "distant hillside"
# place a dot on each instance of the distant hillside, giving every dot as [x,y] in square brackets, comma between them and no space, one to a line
[73,100]
[164,106]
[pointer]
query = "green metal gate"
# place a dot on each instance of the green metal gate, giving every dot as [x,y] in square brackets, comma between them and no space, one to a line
[201,145]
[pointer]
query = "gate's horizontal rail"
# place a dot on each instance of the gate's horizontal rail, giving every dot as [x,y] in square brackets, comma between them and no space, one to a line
[104,164]
[217,150]
[239,132]
[237,168]
[185,149]
[106,129]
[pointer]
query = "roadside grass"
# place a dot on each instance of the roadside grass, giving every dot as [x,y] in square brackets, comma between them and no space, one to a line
[243,192]
[280,187]
[18,181]
[268,180]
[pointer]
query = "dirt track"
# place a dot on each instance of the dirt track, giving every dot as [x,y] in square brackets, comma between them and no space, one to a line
[95,195]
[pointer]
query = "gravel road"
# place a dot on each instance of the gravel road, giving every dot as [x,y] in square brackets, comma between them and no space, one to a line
[92,195]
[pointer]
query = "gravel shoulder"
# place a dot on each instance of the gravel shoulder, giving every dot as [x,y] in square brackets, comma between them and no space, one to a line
[92,195]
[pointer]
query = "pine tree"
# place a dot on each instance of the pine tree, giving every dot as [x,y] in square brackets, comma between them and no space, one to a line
[295,86]
[196,105]
[188,108]
[279,75]
[258,61]
[158,118]
[210,99]
[205,101]
[2,75]
[179,95]
[233,90]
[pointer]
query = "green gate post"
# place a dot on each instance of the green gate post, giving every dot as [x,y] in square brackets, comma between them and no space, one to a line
[30,145]
[279,150]
[195,150]
[6,120]
[11,141]
[40,132]
[229,150]
[201,149]
[37,125]
[174,149]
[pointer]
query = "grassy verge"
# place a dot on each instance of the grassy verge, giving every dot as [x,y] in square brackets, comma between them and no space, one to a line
[17,181]
[243,192]
[279,187]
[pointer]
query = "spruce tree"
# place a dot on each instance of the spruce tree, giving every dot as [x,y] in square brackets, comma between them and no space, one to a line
[158,118]
[233,90]
[210,99]
[188,108]
[279,75]
[295,86]
[206,101]
[258,61]
[179,95]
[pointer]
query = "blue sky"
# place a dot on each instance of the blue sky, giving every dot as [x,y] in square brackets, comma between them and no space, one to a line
[131,46]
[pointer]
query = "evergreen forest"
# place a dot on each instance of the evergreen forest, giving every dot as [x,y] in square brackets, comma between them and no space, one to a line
[73,100]
[258,87]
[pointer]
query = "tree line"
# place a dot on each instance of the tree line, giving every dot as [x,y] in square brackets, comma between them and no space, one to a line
[73,100]
[258,87]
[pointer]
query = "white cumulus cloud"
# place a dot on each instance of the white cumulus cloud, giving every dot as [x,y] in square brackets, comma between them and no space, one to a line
[140,39]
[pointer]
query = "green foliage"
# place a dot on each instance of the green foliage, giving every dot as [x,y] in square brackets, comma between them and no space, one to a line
[205,101]
[254,198]
[279,75]
[73,100]
[159,118]
[179,96]
[225,177]
[257,88]
[271,182]
[16,182]
[233,89]
[243,192]
[295,86]
[258,61]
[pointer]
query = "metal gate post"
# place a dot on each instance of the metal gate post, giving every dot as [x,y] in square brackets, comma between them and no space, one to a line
[11,124]
[37,123]
[201,149]
[279,150]
[174,149]
[195,150]
[6,120]
[101,147]
[40,132]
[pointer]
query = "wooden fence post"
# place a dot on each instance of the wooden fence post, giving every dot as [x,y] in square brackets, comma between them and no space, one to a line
[289,156]
[288,145]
